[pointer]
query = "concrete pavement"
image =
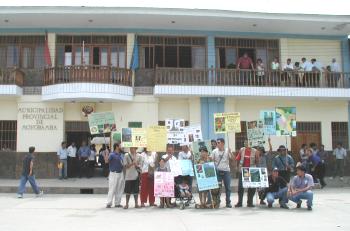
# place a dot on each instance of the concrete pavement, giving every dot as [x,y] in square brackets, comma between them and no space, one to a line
[88,212]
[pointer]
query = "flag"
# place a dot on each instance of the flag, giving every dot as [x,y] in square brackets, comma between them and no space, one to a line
[47,55]
[135,56]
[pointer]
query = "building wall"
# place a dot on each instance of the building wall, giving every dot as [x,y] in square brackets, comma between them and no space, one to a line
[322,50]
[174,108]
[8,109]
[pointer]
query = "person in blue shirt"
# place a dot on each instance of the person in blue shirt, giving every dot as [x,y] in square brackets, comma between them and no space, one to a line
[317,167]
[83,155]
[284,163]
[116,177]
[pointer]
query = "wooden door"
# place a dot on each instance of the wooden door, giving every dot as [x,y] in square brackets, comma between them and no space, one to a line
[304,138]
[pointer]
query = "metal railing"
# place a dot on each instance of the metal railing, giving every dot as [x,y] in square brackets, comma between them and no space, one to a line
[235,77]
[11,76]
[87,73]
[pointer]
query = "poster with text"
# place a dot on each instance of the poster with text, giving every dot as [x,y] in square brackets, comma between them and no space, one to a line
[157,138]
[163,184]
[134,137]
[192,134]
[186,168]
[206,176]
[175,129]
[102,122]
[196,146]
[175,167]
[255,178]
[269,120]
[227,122]
[286,121]
[255,133]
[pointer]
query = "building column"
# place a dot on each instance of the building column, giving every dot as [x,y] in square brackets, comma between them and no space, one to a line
[51,39]
[209,106]
[346,68]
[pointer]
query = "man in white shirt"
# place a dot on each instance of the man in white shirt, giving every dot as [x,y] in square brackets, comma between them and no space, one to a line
[169,155]
[62,155]
[185,154]
[288,68]
[306,65]
[221,158]
[72,160]
[335,66]
[340,156]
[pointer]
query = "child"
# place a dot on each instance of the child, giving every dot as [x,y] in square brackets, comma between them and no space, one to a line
[163,168]
[184,189]
[204,158]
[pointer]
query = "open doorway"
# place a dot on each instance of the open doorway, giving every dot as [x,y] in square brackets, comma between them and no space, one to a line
[249,51]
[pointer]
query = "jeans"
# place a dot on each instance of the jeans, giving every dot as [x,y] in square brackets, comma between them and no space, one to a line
[63,171]
[281,194]
[308,196]
[339,168]
[226,177]
[251,192]
[23,182]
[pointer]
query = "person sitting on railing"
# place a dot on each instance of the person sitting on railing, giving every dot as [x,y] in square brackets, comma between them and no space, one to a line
[299,74]
[245,64]
[288,69]
[260,72]
[275,68]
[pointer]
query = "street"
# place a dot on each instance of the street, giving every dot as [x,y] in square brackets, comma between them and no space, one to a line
[87,212]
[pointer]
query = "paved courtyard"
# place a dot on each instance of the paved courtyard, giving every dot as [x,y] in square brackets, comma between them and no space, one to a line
[87,212]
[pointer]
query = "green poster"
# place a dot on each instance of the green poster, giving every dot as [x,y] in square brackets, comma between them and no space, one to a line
[102,122]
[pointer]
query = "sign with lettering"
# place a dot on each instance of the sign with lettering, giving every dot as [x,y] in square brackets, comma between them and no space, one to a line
[163,184]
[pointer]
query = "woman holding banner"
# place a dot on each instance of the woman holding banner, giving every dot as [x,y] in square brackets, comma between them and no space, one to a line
[147,177]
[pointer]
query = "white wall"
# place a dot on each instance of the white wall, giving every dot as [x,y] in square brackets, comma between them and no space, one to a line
[8,109]
[174,108]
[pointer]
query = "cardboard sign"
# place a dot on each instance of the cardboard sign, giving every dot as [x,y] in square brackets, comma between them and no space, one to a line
[196,147]
[227,122]
[157,139]
[175,129]
[269,121]
[192,134]
[206,176]
[163,184]
[255,133]
[134,137]
[102,122]
[255,178]
[286,121]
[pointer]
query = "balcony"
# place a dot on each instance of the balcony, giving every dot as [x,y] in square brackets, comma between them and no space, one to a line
[87,82]
[11,82]
[248,83]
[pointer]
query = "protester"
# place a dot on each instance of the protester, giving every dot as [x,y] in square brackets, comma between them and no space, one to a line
[203,195]
[72,160]
[163,168]
[302,154]
[186,154]
[284,163]
[247,157]
[262,162]
[340,155]
[221,158]
[115,180]
[103,154]
[83,155]
[317,167]
[132,162]
[62,155]
[169,156]
[324,156]
[147,177]
[300,188]
[213,144]
[277,190]
[28,175]
[92,161]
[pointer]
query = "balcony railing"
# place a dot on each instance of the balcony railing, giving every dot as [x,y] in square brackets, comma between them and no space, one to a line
[11,76]
[87,73]
[234,77]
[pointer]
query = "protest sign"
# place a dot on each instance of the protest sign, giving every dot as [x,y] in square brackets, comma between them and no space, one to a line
[192,134]
[156,138]
[286,122]
[163,184]
[227,122]
[206,176]
[196,146]
[175,129]
[255,178]
[175,167]
[102,122]
[116,137]
[134,137]
[186,168]
[255,133]
[269,120]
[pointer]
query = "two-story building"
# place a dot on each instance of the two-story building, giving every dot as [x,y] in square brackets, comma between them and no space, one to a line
[149,64]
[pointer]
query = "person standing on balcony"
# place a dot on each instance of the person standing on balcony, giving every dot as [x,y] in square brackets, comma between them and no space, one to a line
[221,158]
[307,68]
[335,73]
[62,155]
[247,157]
[83,155]
[288,69]
[275,69]
[260,72]
[72,160]
[245,65]
[28,175]
[299,74]
[340,155]
[317,68]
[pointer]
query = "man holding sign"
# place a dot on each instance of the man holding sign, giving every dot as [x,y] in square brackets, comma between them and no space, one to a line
[221,158]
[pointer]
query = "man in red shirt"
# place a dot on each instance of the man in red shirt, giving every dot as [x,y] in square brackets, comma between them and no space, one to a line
[245,65]
[246,157]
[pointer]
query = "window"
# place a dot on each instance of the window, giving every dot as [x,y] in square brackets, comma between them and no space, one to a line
[12,56]
[183,52]
[242,136]
[340,134]
[8,135]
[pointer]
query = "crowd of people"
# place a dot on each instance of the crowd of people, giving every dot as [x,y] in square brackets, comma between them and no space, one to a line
[305,72]
[132,173]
